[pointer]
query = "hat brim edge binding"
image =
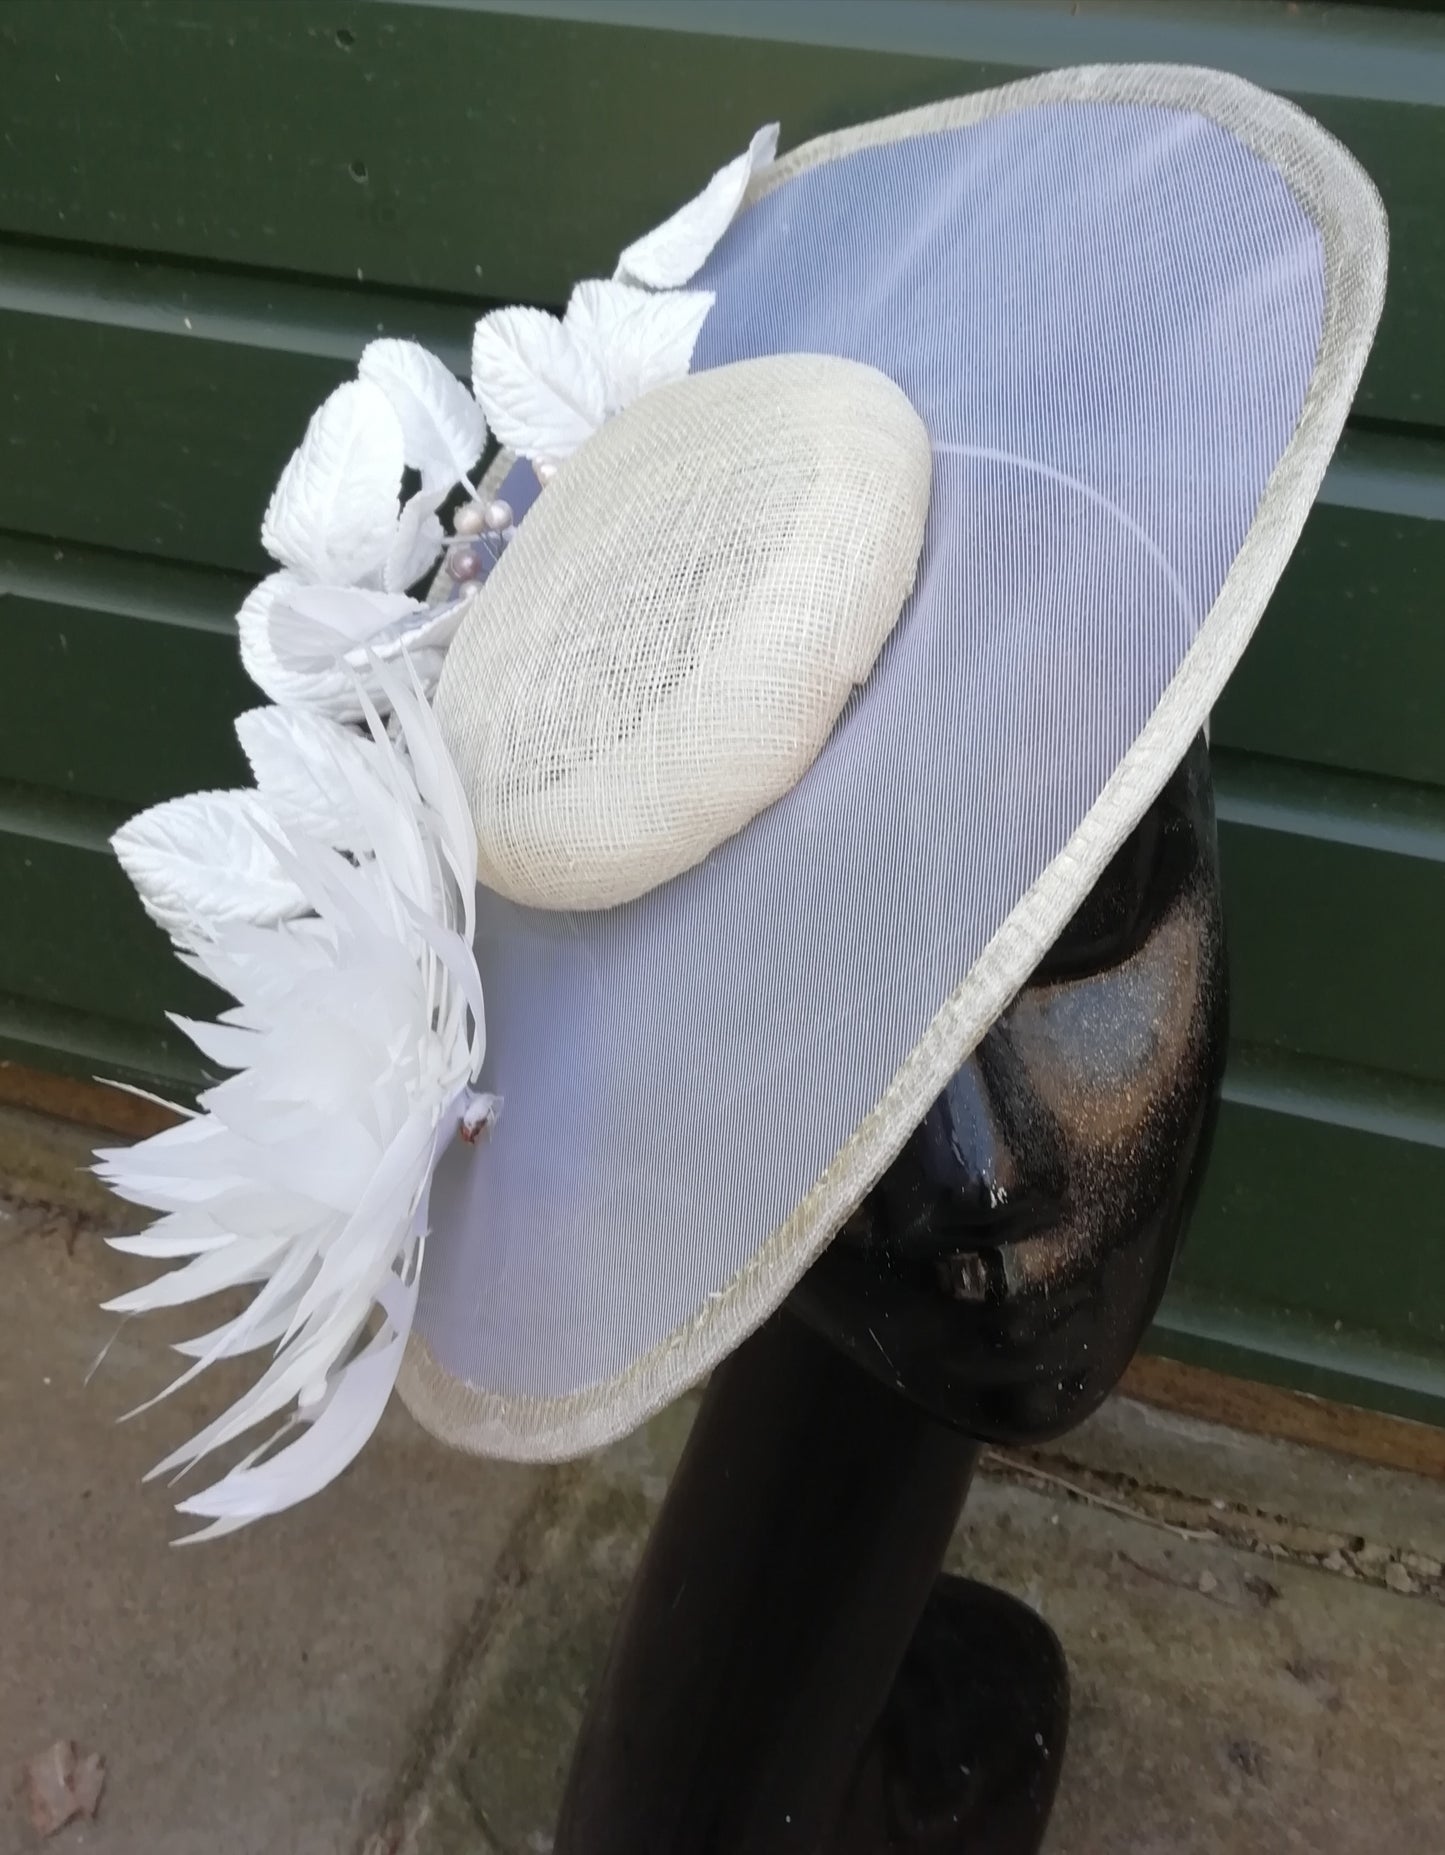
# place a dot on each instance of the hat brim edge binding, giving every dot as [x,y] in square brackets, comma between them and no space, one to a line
[1344,205]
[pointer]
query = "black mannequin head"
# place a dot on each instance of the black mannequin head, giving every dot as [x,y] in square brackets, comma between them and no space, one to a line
[1003,1271]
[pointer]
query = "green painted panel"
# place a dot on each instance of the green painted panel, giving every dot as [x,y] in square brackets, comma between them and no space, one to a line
[1325,1358]
[1323,1223]
[128,439]
[75,935]
[1334,950]
[126,435]
[1317,1256]
[119,679]
[1383,815]
[150,408]
[475,149]
[78,1043]
[208,206]
[1332,946]
[1348,665]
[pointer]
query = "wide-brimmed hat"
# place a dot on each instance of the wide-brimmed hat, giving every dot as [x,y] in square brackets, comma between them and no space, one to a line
[858,566]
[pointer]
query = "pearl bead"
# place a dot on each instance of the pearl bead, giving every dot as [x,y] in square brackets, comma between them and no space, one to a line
[544,473]
[470,519]
[497,516]
[463,564]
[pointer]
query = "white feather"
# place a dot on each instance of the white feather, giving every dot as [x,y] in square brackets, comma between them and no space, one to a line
[443,430]
[542,392]
[358,1029]
[297,761]
[204,861]
[680,246]
[349,1413]
[334,511]
[638,339]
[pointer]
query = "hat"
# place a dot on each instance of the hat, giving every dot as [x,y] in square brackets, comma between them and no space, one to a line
[858,565]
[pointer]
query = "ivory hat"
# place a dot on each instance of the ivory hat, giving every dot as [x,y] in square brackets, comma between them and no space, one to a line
[860,562]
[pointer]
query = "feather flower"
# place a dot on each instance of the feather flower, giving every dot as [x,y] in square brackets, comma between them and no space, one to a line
[356,1033]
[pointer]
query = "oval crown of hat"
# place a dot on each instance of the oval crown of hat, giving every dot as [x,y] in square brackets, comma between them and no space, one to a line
[665,646]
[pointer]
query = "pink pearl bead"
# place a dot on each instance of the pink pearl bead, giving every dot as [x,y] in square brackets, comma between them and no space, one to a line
[463,564]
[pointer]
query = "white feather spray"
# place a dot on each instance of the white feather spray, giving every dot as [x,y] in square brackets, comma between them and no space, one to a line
[356,1033]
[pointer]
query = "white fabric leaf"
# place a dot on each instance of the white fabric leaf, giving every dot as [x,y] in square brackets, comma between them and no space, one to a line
[333,514]
[298,761]
[541,391]
[443,430]
[679,247]
[419,539]
[202,861]
[637,338]
[301,615]
[315,626]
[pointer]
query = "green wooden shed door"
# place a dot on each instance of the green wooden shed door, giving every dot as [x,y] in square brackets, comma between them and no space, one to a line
[207,207]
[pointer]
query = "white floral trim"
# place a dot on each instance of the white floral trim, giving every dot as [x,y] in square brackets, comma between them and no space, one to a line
[335,900]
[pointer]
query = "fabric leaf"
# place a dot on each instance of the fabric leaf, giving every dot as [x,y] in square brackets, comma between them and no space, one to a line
[419,539]
[638,339]
[542,392]
[202,861]
[315,625]
[333,514]
[299,762]
[443,430]
[679,247]
[312,647]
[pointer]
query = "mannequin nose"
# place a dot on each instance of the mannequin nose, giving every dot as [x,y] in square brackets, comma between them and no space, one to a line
[989,1160]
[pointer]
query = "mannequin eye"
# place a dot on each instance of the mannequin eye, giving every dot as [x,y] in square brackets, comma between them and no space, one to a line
[1118,911]
[1149,871]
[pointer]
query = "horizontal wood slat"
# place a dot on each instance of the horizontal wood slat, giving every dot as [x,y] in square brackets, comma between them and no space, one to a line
[122,438]
[1316,1258]
[1347,667]
[1334,950]
[478,149]
[1332,946]
[75,935]
[1345,670]
[1322,1222]
[64,1042]
[119,678]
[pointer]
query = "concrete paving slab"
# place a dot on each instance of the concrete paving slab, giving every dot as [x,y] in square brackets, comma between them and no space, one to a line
[1134,1444]
[1232,1695]
[1256,1629]
[254,1696]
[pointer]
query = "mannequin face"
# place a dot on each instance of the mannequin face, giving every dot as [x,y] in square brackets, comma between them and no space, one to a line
[1002,1272]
